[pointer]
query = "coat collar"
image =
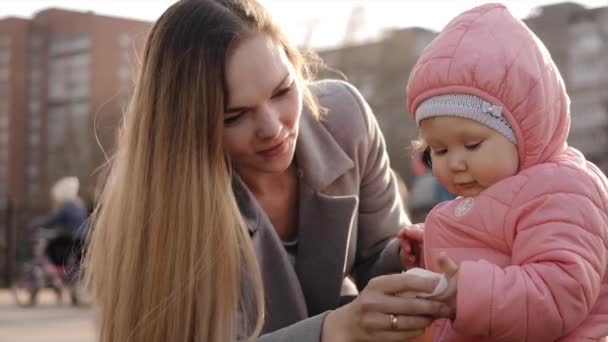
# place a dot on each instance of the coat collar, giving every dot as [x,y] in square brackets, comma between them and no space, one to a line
[319,157]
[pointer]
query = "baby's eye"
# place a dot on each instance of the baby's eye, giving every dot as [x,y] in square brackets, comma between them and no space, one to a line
[439,151]
[473,146]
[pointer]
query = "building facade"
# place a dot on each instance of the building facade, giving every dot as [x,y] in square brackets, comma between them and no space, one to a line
[13,105]
[577,38]
[69,76]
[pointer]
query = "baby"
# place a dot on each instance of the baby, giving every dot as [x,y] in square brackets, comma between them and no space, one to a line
[524,246]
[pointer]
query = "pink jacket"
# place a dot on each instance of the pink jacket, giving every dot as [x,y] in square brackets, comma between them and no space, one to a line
[533,248]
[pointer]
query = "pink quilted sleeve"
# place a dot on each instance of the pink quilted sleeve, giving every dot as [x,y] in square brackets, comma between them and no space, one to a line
[559,257]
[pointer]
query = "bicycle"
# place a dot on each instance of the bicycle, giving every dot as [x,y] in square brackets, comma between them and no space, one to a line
[37,274]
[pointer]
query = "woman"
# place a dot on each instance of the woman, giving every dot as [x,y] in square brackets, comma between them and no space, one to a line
[69,217]
[228,177]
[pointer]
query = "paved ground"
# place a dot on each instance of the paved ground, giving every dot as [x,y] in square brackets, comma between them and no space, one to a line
[46,322]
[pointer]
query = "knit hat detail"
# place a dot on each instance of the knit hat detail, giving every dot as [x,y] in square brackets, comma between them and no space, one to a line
[466,106]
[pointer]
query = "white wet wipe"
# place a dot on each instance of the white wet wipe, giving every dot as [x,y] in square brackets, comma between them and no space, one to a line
[421,272]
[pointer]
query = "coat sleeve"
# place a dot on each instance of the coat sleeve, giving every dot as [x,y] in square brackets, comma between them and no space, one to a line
[381,211]
[559,258]
[308,330]
[53,219]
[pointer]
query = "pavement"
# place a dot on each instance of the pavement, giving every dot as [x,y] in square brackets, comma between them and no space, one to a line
[46,322]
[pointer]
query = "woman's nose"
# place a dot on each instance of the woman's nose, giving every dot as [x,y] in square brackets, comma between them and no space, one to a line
[269,123]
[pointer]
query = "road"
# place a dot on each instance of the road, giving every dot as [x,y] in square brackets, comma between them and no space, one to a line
[46,322]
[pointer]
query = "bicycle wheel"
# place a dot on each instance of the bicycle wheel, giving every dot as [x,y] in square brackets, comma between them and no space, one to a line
[27,284]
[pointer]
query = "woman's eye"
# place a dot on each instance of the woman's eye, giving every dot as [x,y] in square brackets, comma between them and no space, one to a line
[282,92]
[233,119]
[473,146]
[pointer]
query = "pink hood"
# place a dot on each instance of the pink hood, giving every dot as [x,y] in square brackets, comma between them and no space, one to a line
[489,53]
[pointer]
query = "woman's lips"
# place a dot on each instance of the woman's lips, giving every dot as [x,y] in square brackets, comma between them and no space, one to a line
[275,150]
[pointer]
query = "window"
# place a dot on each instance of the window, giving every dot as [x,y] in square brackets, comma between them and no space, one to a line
[80,61]
[34,154]
[80,110]
[56,47]
[34,107]
[58,70]
[32,171]
[4,72]
[79,89]
[35,42]
[584,72]
[69,77]
[5,57]
[34,91]
[34,75]
[35,123]
[603,21]
[35,61]
[33,139]
[4,88]
[422,40]
[3,122]
[5,41]
[57,123]
[124,73]
[585,39]
[79,84]
[589,115]
[80,42]
[62,45]
[33,188]
[79,76]
[124,40]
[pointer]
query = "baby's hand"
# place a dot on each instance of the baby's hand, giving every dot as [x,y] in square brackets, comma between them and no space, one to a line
[450,269]
[411,245]
[442,283]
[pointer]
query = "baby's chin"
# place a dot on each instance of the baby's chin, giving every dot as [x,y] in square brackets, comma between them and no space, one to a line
[468,192]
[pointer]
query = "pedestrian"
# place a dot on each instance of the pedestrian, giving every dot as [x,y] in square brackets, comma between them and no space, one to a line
[69,218]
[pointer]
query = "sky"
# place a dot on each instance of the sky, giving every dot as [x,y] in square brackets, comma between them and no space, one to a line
[319,23]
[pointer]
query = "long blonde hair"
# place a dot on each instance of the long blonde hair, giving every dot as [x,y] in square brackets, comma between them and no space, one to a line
[169,257]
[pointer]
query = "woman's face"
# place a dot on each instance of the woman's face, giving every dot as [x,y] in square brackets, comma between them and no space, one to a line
[261,120]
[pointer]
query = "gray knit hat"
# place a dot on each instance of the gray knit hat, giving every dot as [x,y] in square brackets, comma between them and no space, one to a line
[469,107]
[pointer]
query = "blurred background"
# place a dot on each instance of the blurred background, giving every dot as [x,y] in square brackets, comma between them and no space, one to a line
[67,68]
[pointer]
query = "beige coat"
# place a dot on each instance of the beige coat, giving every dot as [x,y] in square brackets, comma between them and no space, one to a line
[349,213]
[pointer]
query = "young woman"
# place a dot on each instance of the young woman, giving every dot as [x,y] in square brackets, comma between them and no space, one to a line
[235,173]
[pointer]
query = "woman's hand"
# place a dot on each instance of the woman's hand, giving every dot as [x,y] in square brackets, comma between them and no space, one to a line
[411,245]
[378,315]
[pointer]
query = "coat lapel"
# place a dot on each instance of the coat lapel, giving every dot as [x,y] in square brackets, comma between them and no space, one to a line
[282,292]
[324,220]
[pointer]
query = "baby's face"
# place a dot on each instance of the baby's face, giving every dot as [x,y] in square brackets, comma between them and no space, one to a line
[468,156]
